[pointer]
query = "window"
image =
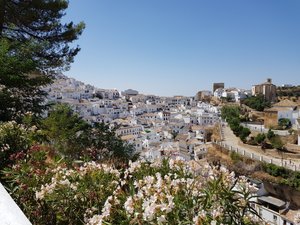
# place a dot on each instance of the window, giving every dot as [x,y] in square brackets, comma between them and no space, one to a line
[274,217]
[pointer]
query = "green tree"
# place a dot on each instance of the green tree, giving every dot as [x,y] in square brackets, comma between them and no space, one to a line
[104,145]
[65,131]
[276,142]
[34,44]
[284,123]
[260,138]
[232,115]
[270,134]
[276,171]
[228,112]
[74,138]
[244,133]
[19,92]
[257,102]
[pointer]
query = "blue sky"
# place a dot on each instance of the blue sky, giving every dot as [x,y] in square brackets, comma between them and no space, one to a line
[178,47]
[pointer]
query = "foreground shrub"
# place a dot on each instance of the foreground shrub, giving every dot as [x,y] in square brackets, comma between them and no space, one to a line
[51,193]
[173,192]
[162,192]
[15,140]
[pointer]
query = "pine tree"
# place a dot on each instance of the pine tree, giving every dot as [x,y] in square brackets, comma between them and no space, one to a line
[34,45]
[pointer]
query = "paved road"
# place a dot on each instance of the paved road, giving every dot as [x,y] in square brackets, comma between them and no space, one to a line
[232,142]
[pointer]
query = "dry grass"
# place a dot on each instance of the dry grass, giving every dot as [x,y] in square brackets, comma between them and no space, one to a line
[244,166]
[216,133]
[263,176]
[214,154]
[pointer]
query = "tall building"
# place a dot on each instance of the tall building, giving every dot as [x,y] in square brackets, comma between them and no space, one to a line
[217,85]
[267,89]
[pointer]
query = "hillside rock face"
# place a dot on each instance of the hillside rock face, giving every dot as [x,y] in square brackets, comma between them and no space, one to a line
[284,192]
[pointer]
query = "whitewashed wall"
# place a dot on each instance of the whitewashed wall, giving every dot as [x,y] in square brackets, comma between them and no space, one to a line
[10,213]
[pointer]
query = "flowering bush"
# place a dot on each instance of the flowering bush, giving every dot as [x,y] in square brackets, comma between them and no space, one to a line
[23,178]
[162,192]
[172,192]
[49,192]
[15,140]
[73,194]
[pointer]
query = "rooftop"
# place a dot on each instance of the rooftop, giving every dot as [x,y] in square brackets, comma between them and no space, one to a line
[286,103]
[127,137]
[273,201]
[277,109]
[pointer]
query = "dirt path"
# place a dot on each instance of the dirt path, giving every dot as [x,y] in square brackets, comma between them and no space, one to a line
[269,155]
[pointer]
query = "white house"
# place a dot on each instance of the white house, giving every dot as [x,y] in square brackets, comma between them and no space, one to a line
[199,132]
[176,126]
[149,116]
[218,93]
[151,154]
[152,136]
[130,92]
[108,93]
[271,208]
[200,151]
[131,139]
[206,118]
[234,94]
[275,211]
[286,109]
[239,94]
[133,130]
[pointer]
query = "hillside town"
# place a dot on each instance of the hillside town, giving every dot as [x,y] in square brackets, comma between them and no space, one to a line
[186,127]
[202,129]
[157,126]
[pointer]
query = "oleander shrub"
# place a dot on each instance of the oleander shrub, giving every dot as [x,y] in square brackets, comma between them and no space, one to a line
[15,140]
[162,192]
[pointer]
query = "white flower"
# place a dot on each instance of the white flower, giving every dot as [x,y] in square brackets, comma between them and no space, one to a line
[73,187]
[195,220]
[39,195]
[106,208]
[149,179]
[171,163]
[128,205]
[171,204]
[95,220]
[161,219]
[297,218]
[65,182]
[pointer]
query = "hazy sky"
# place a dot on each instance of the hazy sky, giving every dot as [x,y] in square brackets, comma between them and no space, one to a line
[172,47]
